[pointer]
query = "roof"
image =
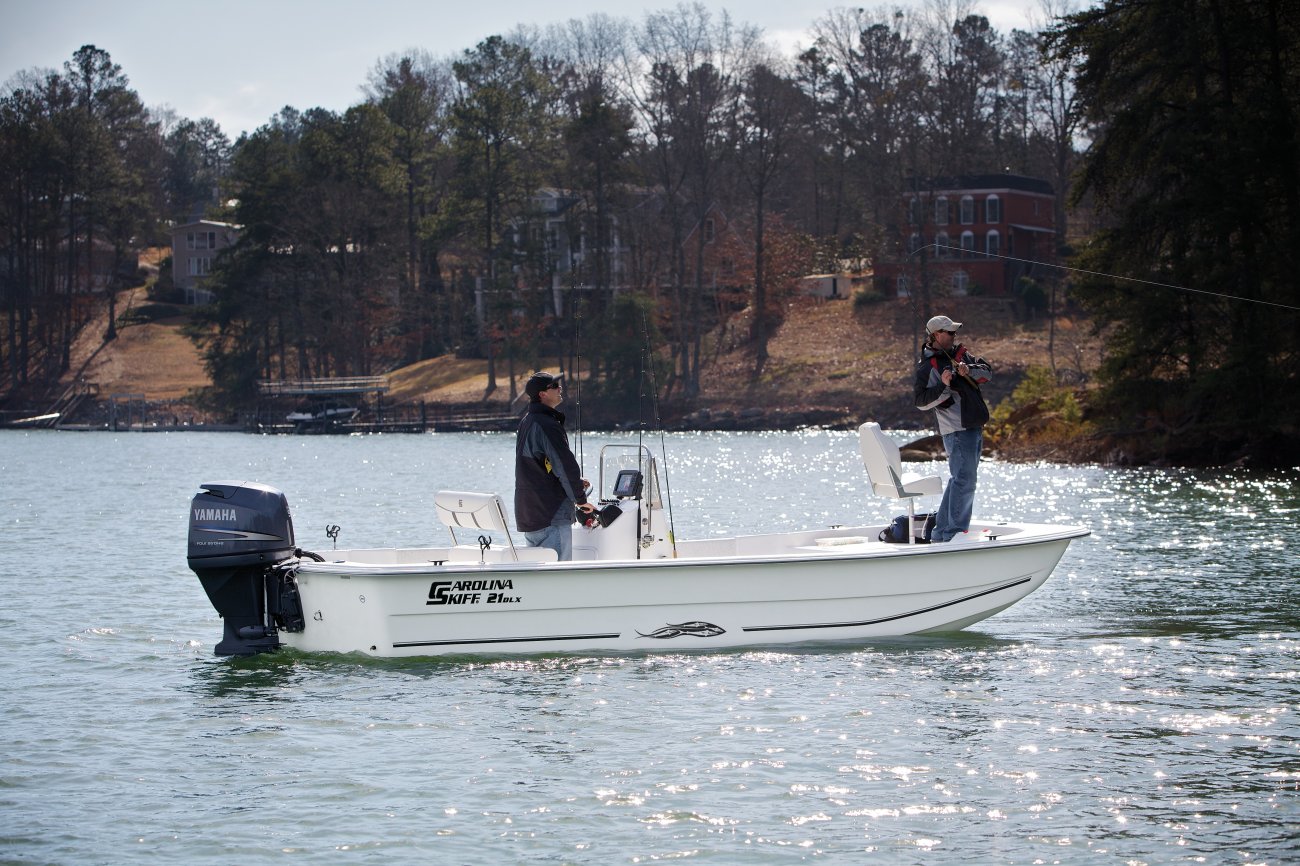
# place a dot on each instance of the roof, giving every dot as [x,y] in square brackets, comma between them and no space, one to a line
[206,224]
[969,182]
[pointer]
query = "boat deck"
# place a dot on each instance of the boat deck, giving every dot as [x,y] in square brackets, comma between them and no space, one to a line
[851,541]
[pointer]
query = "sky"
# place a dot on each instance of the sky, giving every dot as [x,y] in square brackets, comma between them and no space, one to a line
[241,61]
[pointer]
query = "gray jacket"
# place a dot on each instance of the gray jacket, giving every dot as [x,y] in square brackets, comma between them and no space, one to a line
[959,406]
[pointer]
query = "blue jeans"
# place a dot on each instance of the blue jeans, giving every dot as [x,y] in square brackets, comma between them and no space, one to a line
[963,449]
[558,536]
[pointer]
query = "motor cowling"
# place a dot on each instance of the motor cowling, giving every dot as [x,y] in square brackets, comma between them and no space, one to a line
[239,533]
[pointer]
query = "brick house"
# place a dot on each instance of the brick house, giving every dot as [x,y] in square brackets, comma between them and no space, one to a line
[971,235]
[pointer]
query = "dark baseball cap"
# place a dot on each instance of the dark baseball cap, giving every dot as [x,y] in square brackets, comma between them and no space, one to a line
[539,382]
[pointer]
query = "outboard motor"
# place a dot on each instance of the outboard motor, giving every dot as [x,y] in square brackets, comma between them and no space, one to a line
[240,532]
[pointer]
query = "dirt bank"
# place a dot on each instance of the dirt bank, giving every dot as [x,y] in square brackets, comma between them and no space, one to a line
[830,364]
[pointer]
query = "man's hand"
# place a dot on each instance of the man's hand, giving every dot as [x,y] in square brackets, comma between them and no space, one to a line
[587,507]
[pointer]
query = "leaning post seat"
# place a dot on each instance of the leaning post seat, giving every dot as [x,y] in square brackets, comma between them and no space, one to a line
[885,472]
[458,509]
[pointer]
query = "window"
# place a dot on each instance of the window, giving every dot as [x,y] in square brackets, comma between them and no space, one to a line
[201,241]
[904,290]
[942,243]
[993,244]
[967,244]
[967,210]
[992,209]
[914,242]
[708,231]
[960,282]
[941,211]
[914,211]
[199,296]
[200,266]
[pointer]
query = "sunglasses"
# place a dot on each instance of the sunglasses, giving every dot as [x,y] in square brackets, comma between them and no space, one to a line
[950,333]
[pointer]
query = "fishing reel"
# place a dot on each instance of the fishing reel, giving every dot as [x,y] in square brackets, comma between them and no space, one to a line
[600,517]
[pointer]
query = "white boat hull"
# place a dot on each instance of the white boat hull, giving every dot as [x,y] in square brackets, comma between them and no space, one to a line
[629,588]
[834,585]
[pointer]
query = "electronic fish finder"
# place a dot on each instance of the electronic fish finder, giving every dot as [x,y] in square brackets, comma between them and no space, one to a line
[628,484]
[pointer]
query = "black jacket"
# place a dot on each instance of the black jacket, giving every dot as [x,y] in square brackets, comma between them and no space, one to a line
[546,472]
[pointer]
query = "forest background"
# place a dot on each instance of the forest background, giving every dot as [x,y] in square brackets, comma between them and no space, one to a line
[406,228]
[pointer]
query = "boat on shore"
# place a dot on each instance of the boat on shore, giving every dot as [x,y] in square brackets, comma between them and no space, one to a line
[631,586]
[322,414]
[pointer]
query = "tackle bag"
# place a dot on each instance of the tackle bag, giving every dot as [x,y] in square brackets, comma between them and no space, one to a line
[896,532]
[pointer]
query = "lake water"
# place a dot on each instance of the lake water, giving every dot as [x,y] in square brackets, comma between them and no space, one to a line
[1140,708]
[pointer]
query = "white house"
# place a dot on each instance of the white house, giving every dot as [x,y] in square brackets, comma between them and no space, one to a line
[195,246]
[835,286]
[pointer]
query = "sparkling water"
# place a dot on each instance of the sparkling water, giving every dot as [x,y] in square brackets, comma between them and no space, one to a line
[1140,708]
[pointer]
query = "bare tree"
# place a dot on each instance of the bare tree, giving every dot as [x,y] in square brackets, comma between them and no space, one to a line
[961,112]
[683,83]
[877,83]
[767,126]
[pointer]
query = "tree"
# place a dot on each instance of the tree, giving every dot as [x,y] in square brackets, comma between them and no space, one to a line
[309,289]
[80,154]
[1195,168]
[107,116]
[504,139]
[963,109]
[767,126]
[683,83]
[197,157]
[598,136]
[414,93]
[29,214]
[1054,115]
[876,86]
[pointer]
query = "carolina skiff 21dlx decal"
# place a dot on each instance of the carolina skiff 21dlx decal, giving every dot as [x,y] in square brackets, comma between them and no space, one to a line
[472,592]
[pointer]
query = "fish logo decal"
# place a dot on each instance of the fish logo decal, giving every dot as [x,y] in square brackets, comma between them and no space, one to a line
[695,628]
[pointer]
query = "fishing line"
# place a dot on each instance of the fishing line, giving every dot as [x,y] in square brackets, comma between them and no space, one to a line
[963,252]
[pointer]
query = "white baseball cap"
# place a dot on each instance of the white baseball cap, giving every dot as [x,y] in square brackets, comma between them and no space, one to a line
[941,323]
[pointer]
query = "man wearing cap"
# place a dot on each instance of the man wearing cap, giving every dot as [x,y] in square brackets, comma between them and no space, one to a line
[948,379]
[548,480]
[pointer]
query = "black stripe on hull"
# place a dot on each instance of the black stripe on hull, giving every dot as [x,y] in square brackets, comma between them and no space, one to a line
[897,616]
[492,640]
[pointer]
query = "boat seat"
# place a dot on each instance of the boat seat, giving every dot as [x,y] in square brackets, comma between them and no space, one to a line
[885,472]
[481,511]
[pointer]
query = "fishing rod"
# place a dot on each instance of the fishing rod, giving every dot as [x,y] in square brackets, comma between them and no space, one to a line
[654,402]
[954,362]
[963,251]
[576,354]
